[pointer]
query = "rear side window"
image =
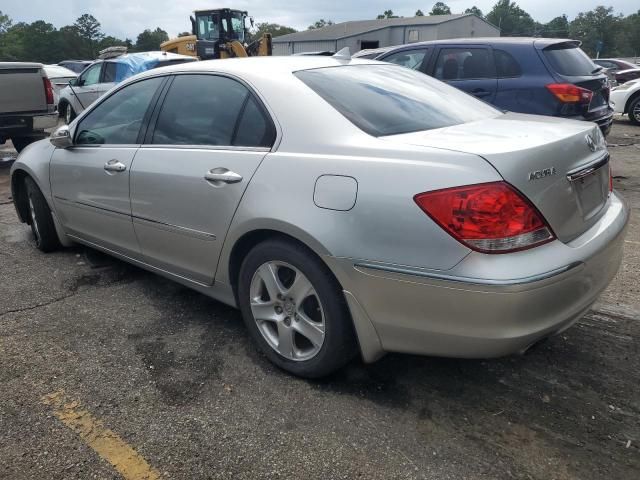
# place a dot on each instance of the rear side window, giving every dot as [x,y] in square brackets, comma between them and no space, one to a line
[506,65]
[211,110]
[407,58]
[387,100]
[569,61]
[464,64]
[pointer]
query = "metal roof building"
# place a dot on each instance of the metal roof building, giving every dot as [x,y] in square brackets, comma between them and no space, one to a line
[386,32]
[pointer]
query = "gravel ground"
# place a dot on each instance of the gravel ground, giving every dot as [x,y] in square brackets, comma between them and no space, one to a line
[172,373]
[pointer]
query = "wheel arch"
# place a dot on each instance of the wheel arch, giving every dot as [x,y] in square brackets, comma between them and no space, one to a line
[19,194]
[369,343]
[630,100]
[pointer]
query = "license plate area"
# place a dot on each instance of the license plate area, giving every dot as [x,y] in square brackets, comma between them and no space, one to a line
[591,186]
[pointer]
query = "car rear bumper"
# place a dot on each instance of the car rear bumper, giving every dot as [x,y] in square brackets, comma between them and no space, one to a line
[24,124]
[435,313]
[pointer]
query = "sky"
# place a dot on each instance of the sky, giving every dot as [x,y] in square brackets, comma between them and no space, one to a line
[127,18]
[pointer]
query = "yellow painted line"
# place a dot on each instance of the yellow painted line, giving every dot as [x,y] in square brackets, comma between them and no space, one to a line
[103,441]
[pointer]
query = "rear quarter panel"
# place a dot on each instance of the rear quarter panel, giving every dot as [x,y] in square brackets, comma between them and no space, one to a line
[384,226]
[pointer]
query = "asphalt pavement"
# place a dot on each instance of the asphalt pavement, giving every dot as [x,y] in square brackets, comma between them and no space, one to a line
[108,371]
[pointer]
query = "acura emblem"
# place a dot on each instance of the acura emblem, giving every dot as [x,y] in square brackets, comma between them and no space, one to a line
[590,143]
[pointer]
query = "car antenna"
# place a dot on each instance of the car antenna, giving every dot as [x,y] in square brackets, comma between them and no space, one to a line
[76,95]
[343,54]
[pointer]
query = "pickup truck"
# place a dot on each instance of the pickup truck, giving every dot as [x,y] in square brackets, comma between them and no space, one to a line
[27,105]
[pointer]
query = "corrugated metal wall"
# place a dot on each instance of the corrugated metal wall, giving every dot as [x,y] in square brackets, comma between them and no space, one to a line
[300,47]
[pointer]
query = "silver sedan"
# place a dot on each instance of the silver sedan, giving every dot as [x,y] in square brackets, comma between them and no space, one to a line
[344,206]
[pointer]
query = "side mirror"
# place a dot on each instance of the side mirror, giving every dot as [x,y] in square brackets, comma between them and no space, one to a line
[61,138]
[73,82]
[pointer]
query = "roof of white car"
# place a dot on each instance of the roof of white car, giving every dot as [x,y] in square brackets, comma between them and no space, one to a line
[262,65]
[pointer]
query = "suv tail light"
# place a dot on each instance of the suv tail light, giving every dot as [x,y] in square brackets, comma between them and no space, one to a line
[487,217]
[568,93]
[48,90]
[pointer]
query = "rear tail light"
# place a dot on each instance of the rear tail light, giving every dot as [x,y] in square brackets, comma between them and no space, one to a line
[487,217]
[48,90]
[568,93]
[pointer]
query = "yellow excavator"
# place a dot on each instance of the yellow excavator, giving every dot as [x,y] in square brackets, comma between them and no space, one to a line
[219,33]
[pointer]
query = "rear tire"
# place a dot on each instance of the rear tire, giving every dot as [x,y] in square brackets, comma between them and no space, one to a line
[634,110]
[321,336]
[40,218]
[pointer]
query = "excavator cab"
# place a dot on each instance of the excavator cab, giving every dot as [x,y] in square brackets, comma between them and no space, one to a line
[216,28]
[219,33]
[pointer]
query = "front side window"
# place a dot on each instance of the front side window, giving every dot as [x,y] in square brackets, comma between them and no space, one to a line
[208,26]
[408,58]
[117,120]
[464,64]
[211,110]
[91,76]
[387,100]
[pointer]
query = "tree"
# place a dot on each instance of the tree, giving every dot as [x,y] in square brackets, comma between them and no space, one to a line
[475,10]
[597,25]
[511,19]
[274,29]
[556,28]
[440,8]
[419,13]
[5,23]
[89,29]
[150,40]
[321,24]
[628,37]
[386,14]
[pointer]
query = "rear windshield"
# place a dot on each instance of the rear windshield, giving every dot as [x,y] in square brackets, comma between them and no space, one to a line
[572,62]
[389,100]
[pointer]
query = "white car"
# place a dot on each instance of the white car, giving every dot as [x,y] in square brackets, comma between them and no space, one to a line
[59,78]
[99,77]
[625,98]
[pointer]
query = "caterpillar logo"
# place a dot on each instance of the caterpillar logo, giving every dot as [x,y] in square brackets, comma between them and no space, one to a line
[545,172]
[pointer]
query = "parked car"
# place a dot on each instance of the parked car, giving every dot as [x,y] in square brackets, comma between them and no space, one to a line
[403,215]
[622,70]
[102,75]
[76,66]
[60,78]
[626,100]
[26,103]
[529,75]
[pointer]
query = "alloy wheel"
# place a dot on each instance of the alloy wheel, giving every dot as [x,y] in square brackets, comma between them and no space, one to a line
[34,221]
[636,112]
[287,311]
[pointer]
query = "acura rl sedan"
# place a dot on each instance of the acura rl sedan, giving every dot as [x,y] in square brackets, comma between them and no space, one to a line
[344,206]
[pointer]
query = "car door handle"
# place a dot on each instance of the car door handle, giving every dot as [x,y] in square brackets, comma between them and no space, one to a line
[222,175]
[479,92]
[115,166]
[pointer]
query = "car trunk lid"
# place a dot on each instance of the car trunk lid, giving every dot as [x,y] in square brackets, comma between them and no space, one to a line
[556,163]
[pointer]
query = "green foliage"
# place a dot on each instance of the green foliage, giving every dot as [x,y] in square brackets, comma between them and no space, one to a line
[511,19]
[386,14]
[150,40]
[440,8]
[556,28]
[273,28]
[599,24]
[320,24]
[419,13]
[474,10]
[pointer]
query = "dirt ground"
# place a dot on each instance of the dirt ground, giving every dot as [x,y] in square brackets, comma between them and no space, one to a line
[172,375]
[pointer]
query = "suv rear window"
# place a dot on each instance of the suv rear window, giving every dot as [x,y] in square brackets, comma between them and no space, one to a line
[569,61]
[390,100]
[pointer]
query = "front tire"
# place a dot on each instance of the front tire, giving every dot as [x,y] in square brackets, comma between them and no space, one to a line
[40,218]
[69,114]
[634,111]
[294,309]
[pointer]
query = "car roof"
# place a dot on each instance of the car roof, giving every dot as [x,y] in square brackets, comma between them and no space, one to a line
[539,43]
[262,66]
